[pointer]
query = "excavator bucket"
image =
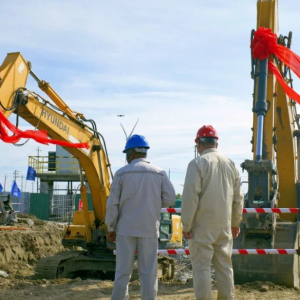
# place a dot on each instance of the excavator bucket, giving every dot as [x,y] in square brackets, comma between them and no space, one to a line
[279,269]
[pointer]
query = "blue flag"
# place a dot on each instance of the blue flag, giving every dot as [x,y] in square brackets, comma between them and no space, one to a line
[1,188]
[31,174]
[15,191]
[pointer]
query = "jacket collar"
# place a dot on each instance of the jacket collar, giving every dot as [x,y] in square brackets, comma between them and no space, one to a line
[136,160]
[209,150]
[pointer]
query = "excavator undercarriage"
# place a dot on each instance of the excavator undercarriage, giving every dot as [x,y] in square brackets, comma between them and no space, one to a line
[97,259]
[72,264]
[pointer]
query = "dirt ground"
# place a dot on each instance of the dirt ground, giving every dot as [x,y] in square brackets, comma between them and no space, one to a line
[20,250]
[77,289]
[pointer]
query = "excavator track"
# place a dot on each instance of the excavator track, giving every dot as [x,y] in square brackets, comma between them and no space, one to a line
[47,267]
[53,266]
[71,264]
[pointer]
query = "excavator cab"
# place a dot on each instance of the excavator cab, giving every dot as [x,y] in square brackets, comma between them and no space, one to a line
[273,177]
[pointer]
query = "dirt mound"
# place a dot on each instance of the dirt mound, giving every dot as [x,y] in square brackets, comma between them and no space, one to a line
[21,249]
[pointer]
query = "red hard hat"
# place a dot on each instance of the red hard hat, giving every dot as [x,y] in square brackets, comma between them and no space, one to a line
[206,131]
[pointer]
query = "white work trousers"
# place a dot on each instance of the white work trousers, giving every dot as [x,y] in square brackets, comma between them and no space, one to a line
[126,248]
[206,246]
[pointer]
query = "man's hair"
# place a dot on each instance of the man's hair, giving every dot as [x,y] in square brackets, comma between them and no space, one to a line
[207,141]
[139,154]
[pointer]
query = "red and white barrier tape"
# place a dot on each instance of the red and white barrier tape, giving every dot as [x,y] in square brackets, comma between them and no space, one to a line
[234,251]
[271,210]
[246,210]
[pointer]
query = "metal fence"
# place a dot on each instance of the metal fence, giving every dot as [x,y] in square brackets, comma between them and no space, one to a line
[61,164]
[20,205]
[62,207]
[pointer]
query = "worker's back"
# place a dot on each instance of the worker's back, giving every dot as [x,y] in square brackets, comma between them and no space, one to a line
[218,180]
[144,190]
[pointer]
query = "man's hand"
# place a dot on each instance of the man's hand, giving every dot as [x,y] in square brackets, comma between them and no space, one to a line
[187,235]
[235,232]
[111,236]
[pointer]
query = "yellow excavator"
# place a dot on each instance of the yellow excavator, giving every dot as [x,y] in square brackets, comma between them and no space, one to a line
[88,229]
[274,172]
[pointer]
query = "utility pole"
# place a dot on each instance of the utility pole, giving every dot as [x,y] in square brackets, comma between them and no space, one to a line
[169,174]
[22,176]
[38,168]
[4,181]
[16,175]
[38,152]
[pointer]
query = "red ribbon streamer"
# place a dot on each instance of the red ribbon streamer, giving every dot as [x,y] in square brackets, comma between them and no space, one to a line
[263,45]
[39,136]
[288,90]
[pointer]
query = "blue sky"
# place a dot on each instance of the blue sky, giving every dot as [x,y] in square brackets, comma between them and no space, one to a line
[175,65]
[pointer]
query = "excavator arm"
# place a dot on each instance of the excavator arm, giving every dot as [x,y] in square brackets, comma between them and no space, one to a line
[272,174]
[273,139]
[61,123]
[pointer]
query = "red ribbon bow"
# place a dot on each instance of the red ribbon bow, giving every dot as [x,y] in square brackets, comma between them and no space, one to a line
[263,45]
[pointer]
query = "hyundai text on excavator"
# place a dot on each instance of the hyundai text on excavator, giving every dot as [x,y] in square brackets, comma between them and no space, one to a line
[88,229]
[274,172]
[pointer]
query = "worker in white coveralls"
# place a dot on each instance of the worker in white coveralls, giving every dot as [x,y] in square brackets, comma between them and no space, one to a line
[212,205]
[138,192]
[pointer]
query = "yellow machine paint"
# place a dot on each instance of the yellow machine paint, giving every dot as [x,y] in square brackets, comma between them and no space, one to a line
[177,230]
[79,222]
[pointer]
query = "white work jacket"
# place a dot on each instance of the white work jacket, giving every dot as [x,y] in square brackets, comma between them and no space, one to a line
[212,196]
[138,192]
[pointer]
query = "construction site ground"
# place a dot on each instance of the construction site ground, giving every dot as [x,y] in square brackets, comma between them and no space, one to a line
[21,249]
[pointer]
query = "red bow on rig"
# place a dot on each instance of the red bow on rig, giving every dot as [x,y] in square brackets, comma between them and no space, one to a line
[263,45]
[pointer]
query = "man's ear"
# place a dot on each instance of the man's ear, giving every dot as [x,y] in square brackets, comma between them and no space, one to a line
[130,157]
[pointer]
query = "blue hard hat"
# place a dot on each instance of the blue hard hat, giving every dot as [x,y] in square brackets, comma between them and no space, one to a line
[136,141]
